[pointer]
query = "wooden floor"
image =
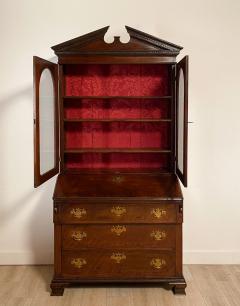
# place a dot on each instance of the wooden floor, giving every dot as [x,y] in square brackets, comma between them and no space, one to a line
[207,285]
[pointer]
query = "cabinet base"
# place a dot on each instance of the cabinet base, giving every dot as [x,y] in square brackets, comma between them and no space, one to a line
[178,288]
[57,288]
[177,285]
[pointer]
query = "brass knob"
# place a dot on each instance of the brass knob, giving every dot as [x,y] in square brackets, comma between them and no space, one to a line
[157,263]
[118,229]
[158,212]
[118,257]
[78,262]
[78,212]
[158,235]
[118,211]
[118,179]
[78,235]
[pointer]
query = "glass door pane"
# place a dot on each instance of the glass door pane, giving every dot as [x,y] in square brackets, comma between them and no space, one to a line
[182,119]
[46,153]
[46,123]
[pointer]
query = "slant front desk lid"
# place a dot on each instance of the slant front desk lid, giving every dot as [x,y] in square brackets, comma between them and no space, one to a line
[147,187]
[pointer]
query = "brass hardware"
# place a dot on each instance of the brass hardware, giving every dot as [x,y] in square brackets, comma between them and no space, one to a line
[78,235]
[118,210]
[117,179]
[158,235]
[158,213]
[55,209]
[78,212]
[157,263]
[118,257]
[78,262]
[118,229]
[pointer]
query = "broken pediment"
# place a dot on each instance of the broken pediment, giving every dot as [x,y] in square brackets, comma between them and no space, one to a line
[139,43]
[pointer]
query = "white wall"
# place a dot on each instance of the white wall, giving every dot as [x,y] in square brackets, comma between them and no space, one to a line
[209,30]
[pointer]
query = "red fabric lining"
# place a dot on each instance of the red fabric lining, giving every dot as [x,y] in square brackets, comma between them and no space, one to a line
[117,161]
[117,135]
[116,80]
[116,108]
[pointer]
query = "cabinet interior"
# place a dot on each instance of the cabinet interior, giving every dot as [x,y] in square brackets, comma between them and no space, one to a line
[118,116]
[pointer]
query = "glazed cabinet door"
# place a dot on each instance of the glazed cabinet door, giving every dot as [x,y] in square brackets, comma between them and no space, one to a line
[46,129]
[182,119]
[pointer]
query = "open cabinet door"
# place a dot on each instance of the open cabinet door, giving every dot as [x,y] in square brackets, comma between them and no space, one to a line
[46,130]
[182,119]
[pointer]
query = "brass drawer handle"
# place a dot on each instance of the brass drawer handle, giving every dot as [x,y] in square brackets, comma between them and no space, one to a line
[78,212]
[158,212]
[118,229]
[118,211]
[157,263]
[118,257]
[117,179]
[158,235]
[78,235]
[78,262]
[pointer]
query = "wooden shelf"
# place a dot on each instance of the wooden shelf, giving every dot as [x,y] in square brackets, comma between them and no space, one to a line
[117,97]
[121,171]
[116,150]
[117,120]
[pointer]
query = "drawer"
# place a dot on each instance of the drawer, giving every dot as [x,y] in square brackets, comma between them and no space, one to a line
[110,236]
[118,264]
[117,213]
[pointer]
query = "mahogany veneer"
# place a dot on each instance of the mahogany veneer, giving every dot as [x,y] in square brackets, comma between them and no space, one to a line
[111,236]
[118,264]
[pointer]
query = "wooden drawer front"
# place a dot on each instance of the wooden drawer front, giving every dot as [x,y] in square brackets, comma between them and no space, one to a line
[123,213]
[118,264]
[118,235]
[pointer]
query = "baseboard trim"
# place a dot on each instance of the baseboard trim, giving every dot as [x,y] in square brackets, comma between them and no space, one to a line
[189,257]
[26,258]
[211,257]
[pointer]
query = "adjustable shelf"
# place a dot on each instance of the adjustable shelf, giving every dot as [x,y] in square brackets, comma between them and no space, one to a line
[117,120]
[116,150]
[117,97]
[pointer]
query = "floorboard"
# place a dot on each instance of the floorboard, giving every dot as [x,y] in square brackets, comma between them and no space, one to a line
[208,285]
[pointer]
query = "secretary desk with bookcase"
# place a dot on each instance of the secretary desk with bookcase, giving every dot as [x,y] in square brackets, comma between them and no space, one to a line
[111,120]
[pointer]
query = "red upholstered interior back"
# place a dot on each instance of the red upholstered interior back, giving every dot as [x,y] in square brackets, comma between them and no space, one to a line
[116,135]
[117,161]
[116,108]
[117,80]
